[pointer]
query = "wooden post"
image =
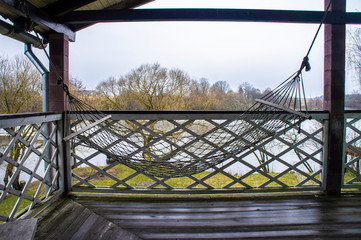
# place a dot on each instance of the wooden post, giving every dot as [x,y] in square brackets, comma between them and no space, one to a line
[334,98]
[59,68]
[59,56]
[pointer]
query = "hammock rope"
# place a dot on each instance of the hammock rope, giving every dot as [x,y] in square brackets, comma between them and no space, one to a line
[180,152]
[151,153]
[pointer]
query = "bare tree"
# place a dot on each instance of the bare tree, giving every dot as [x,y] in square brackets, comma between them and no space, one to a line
[293,136]
[354,53]
[20,86]
[114,94]
[200,97]
[77,87]
[263,158]
[157,88]
[249,94]
[149,87]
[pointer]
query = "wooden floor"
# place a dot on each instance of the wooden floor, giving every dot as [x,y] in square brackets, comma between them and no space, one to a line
[271,218]
[67,219]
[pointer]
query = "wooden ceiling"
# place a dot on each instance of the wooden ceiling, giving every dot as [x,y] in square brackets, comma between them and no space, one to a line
[70,16]
[43,15]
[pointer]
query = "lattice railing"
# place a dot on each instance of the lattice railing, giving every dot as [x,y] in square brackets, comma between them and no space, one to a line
[29,170]
[31,158]
[352,168]
[290,160]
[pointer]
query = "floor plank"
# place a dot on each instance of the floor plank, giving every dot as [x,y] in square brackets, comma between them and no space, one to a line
[276,218]
[21,229]
[310,218]
[71,220]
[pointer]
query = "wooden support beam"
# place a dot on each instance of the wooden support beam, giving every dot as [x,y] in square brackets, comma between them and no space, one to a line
[228,15]
[59,56]
[125,4]
[59,70]
[36,15]
[128,4]
[334,98]
[59,8]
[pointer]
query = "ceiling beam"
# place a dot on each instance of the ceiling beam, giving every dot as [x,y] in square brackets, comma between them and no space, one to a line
[59,8]
[128,4]
[228,15]
[26,10]
[125,4]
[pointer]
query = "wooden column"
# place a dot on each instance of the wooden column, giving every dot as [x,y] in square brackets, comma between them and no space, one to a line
[334,98]
[59,56]
[59,67]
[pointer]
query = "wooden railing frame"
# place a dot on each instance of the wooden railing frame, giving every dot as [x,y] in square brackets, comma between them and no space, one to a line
[186,115]
[351,118]
[64,157]
[51,160]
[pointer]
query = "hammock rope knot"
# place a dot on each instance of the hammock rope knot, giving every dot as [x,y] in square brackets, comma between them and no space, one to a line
[305,64]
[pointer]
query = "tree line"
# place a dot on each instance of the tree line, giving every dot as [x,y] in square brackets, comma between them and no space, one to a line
[148,87]
[153,87]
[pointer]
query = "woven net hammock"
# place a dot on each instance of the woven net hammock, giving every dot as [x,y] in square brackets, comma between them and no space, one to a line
[181,153]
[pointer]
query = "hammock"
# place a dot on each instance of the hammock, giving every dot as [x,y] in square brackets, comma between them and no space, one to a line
[150,153]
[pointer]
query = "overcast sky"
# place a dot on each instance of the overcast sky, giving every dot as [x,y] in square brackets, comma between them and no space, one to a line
[262,54]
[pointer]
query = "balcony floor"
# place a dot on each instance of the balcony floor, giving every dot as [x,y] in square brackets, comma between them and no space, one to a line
[305,217]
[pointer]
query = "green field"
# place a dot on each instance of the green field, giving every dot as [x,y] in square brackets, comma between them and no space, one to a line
[217,181]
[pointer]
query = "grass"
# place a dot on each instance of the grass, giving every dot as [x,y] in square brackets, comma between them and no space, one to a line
[10,200]
[217,181]
[351,176]
[141,181]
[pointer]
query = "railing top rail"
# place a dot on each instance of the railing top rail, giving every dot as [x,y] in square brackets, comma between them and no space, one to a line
[353,113]
[22,115]
[189,115]
[12,120]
